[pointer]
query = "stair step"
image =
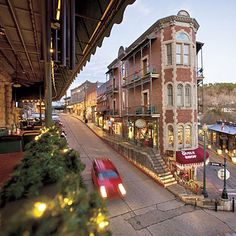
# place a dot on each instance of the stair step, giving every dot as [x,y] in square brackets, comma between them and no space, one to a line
[169,184]
[166,173]
[166,177]
[165,181]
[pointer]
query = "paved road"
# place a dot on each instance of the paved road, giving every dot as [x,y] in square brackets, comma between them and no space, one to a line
[213,183]
[148,209]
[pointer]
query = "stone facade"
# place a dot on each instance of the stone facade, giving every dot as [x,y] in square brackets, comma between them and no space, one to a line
[6,106]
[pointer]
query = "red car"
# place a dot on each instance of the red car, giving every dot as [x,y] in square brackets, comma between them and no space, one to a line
[107,179]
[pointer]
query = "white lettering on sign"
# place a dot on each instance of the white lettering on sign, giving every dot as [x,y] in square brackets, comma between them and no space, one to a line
[189,154]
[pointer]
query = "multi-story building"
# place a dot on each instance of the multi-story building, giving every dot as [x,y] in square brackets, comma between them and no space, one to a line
[84,100]
[152,86]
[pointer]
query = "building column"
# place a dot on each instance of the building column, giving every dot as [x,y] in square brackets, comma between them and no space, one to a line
[2,105]
[8,102]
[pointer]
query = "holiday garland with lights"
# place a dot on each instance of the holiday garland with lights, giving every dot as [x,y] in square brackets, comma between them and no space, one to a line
[72,211]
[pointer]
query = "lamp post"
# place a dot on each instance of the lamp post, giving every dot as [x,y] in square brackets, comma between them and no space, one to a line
[224,194]
[204,192]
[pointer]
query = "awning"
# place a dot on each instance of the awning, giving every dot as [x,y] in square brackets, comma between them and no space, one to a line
[189,158]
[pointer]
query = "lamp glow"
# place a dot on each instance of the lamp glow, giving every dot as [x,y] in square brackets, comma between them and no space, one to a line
[39,209]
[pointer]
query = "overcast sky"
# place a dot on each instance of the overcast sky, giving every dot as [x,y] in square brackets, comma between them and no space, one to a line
[217,20]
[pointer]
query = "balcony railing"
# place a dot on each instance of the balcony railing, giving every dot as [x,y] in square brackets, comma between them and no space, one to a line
[141,110]
[140,76]
[113,112]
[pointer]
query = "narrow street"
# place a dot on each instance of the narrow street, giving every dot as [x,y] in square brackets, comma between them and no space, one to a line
[148,209]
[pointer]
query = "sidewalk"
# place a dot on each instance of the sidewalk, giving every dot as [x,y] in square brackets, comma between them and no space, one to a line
[178,190]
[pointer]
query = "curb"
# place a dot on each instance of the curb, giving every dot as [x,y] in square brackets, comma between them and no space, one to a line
[195,200]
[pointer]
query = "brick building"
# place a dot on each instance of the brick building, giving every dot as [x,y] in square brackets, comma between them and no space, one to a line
[152,87]
[84,100]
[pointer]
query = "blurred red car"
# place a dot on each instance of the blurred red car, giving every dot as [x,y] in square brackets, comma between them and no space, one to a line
[107,179]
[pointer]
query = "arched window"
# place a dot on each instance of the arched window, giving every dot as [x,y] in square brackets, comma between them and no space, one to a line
[188,135]
[187,95]
[181,36]
[170,136]
[180,135]
[182,49]
[180,100]
[170,94]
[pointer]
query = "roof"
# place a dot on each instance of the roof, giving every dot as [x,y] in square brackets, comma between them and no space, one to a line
[148,34]
[75,36]
[223,128]
[104,164]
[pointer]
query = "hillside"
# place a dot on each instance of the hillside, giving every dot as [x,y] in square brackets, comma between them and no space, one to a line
[219,102]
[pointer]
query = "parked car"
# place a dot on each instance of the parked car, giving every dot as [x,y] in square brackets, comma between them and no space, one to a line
[107,179]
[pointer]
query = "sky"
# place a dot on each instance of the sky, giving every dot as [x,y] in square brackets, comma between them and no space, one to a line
[217,20]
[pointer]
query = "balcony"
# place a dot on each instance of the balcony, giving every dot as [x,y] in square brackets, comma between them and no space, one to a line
[113,112]
[112,89]
[199,75]
[141,111]
[140,77]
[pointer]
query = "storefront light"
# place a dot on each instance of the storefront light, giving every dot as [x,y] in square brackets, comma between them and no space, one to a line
[219,151]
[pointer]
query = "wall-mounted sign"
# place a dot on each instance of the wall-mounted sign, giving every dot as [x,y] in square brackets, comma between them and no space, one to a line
[140,123]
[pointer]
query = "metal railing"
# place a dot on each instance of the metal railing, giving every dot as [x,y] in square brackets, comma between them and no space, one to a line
[141,110]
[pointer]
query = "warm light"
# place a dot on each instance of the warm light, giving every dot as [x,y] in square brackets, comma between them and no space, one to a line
[209,146]
[65,150]
[39,209]
[219,152]
[36,138]
[204,128]
[122,189]
[58,10]
[103,192]
[51,50]
[68,201]
[102,223]
[233,159]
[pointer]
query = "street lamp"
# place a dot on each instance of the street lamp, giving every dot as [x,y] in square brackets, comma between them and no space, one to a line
[224,194]
[204,192]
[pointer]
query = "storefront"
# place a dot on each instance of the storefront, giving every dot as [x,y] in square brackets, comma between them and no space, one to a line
[222,136]
[188,161]
[143,132]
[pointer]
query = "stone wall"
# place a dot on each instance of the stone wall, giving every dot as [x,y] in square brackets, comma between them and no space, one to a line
[6,111]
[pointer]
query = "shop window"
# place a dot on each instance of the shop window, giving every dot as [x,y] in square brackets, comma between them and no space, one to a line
[188,135]
[180,135]
[187,95]
[180,100]
[170,94]
[168,54]
[170,136]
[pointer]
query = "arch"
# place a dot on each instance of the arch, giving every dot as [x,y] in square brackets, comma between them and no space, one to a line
[182,36]
[180,97]
[170,136]
[170,95]
[188,95]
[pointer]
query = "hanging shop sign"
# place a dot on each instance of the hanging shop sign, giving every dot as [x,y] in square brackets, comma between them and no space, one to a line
[140,123]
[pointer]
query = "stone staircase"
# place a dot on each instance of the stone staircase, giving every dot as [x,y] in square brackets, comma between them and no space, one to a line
[161,169]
